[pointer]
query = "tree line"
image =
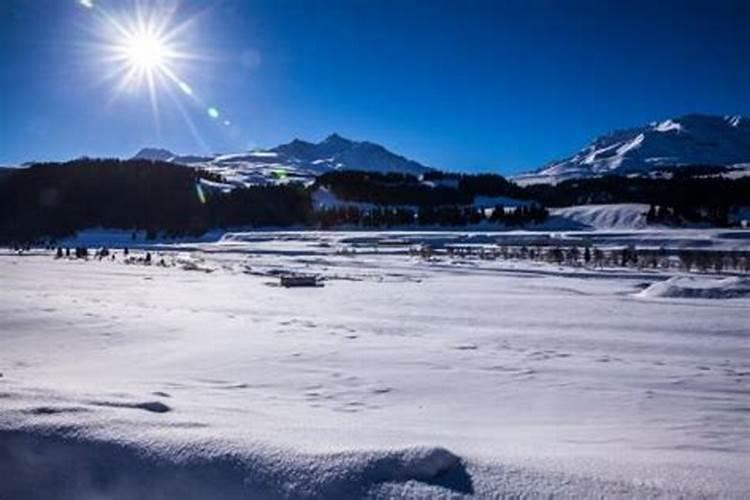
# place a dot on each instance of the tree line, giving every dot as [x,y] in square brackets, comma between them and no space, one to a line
[690,260]
[56,200]
[434,188]
[444,216]
[676,200]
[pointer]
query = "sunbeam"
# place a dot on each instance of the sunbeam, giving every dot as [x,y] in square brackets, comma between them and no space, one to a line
[143,49]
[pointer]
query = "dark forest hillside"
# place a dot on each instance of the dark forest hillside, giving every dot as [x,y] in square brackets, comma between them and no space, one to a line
[54,200]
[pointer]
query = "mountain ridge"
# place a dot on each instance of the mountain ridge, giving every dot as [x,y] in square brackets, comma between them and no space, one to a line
[648,150]
[691,139]
[297,160]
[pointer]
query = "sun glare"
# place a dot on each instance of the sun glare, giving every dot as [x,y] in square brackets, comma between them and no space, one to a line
[145,51]
[142,49]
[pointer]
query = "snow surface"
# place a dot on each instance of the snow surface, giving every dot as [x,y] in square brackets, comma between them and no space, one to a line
[686,140]
[401,377]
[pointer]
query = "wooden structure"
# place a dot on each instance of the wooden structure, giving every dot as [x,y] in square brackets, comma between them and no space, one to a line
[295,280]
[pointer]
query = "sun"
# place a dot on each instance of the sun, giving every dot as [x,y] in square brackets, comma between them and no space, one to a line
[142,50]
[145,51]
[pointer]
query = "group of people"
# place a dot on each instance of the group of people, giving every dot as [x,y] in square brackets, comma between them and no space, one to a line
[101,253]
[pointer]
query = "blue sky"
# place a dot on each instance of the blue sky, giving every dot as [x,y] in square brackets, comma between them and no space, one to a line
[462,85]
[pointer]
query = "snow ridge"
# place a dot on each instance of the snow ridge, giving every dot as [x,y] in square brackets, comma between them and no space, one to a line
[686,140]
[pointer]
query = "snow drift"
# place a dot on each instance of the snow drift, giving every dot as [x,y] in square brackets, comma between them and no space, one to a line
[699,288]
[56,465]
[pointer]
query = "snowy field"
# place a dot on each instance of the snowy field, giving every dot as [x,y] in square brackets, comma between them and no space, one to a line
[401,376]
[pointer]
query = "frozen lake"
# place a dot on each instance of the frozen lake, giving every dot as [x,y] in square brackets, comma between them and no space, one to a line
[402,376]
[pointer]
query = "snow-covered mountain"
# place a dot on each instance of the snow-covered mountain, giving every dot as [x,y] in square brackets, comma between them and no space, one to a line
[297,160]
[154,154]
[687,140]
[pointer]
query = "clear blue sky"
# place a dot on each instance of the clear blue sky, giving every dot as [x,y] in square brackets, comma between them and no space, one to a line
[461,85]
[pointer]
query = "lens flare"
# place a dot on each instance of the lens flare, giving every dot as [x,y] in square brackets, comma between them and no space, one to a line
[280,174]
[187,89]
[199,192]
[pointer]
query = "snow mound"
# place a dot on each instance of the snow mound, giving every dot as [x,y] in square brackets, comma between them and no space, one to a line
[699,288]
[73,466]
[190,262]
[422,464]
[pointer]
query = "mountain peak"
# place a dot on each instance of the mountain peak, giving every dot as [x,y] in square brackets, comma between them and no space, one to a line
[154,154]
[335,138]
[298,142]
[691,139]
[302,161]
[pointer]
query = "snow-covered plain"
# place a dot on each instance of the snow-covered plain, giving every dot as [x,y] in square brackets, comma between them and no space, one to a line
[402,376]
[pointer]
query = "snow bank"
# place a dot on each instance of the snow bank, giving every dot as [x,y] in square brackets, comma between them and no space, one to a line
[74,466]
[324,198]
[699,288]
[609,216]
